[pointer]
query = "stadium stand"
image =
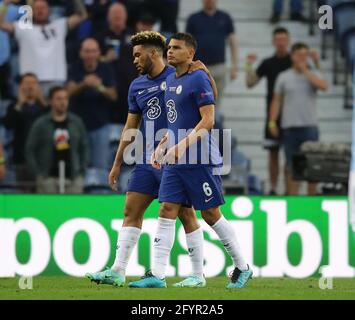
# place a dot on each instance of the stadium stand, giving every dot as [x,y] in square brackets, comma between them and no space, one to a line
[242,109]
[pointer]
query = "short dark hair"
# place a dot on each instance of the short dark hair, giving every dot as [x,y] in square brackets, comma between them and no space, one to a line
[54,90]
[187,37]
[298,46]
[279,30]
[28,74]
[149,38]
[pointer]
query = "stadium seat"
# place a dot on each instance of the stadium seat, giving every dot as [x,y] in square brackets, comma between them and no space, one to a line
[255,185]
[96,181]
[9,185]
[237,180]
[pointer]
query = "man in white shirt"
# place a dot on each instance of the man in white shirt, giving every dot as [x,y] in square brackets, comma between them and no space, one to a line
[42,47]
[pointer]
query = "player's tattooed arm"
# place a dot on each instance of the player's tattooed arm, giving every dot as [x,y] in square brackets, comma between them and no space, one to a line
[199,65]
[133,122]
[201,130]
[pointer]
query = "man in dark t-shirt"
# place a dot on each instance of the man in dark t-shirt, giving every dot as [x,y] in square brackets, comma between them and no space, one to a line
[213,29]
[116,49]
[92,90]
[271,68]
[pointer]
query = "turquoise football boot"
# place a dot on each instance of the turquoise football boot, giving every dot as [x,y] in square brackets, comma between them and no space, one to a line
[191,282]
[239,278]
[148,281]
[107,276]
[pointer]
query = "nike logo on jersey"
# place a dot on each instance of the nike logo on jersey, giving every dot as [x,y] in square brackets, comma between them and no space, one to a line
[140,92]
[208,200]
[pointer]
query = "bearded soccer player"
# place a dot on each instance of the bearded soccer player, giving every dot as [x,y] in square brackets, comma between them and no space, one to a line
[146,101]
[190,110]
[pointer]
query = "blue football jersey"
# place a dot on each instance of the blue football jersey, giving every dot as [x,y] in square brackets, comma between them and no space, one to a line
[184,97]
[146,97]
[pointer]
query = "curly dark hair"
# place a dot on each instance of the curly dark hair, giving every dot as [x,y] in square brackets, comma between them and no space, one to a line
[149,38]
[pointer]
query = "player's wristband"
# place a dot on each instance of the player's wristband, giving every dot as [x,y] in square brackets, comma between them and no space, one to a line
[101,88]
[272,124]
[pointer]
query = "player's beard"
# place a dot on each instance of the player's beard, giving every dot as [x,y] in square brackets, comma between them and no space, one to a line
[148,66]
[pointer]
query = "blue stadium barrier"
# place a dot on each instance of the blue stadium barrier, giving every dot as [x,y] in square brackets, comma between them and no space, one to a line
[96,181]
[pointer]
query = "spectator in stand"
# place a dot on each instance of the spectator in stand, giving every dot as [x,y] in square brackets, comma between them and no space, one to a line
[270,68]
[295,92]
[58,137]
[20,116]
[295,10]
[145,22]
[166,12]
[97,10]
[42,48]
[116,49]
[11,15]
[116,34]
[91,88]
[212,28]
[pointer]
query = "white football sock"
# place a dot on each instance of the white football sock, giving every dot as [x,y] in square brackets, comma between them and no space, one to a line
[194,241]
[229,240]
[163,243]
[127,239]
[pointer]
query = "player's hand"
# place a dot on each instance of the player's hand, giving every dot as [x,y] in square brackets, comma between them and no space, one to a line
[113,177]
[197,65]
[157,156]
[154,162]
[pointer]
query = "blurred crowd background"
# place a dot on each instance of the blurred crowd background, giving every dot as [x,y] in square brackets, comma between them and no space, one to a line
[64,85]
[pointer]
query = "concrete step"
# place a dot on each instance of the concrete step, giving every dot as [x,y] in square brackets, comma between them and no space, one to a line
[238,87]
[244,107]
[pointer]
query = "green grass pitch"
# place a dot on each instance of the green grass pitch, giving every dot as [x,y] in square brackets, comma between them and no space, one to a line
[68,288]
